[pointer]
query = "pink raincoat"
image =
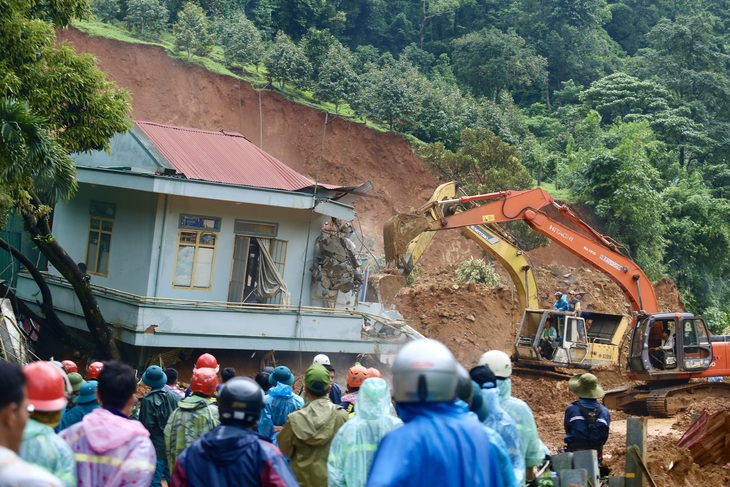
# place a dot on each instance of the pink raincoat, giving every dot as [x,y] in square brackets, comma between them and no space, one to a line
[111,450]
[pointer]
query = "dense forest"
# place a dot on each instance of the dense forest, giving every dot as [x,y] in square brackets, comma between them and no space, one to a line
[621,105]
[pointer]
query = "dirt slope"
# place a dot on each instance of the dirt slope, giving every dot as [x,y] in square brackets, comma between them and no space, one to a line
[468,319]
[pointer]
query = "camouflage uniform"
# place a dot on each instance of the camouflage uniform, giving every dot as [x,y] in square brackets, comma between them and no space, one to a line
[194,417]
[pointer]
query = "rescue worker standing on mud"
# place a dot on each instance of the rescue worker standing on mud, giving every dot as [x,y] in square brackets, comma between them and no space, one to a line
[531,447]
[586,420]
[439,444]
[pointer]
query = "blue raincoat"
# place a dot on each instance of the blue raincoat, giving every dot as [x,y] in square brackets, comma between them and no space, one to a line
[501,422]
[533,450]
[496,442]
[438,445]
[279,403]
[562,304]
[353,448]
[76,414]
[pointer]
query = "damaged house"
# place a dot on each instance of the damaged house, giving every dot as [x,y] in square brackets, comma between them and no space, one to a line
[199,239]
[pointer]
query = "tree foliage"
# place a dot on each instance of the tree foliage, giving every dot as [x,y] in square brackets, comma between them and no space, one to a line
[337,80]
[61,102]
[147,18]
[286,62]
[191,31]
[241,40]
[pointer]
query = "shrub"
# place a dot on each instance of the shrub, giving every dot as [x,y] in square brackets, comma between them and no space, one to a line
[476,270]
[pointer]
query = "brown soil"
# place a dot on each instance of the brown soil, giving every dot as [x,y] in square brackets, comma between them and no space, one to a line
[469,319]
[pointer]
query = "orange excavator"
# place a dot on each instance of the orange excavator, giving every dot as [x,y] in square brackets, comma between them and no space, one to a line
[667,348]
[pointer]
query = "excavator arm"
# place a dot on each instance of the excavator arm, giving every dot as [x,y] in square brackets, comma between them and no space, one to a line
[492,239]
[598,250]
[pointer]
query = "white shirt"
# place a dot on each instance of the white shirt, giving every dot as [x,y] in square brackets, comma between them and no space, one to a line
[16,472]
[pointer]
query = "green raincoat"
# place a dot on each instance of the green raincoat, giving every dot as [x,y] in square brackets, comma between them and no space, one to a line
[306,439]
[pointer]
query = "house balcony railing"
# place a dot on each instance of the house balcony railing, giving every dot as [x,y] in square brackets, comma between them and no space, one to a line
[370,319]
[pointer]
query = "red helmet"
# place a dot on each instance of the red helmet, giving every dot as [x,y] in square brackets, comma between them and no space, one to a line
[373,372]
[204,381]
[46,386]
[207,360]
[93,371]
[69,366]
[356,375]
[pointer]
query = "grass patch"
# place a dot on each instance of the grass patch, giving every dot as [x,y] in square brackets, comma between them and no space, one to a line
[562,194]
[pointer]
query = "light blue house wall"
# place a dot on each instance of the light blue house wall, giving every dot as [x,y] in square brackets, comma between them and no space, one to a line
[131,253]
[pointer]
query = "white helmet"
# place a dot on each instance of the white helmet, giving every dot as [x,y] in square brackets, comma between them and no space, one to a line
[498,362]
[321,359]
[424,371]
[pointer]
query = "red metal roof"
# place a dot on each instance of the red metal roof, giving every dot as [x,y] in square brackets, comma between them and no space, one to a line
[223,157]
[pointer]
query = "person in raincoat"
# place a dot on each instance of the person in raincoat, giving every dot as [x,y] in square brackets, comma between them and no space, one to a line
[280,402]
[498,420]
[155,409]
[533,450]
[438,444]
[307,435]
[85,403]
[14,407]
[110,449]
[47,387]
[232,453]
[354,446]
[195,415]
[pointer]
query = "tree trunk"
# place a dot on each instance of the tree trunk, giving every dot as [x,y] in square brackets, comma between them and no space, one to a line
[56,255]
[46,305]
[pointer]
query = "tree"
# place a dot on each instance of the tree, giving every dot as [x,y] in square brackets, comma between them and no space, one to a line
[698,240]
[81,110]
[148,18]
[483,164]
[337,80]
[105,10]
[191,31]
[490,61]
[286,62]
[241,41]
[316,45]
[617,179]
[390,94]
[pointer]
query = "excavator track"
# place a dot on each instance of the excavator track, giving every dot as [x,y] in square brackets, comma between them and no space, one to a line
[667,401]
[525,371]
[663,402]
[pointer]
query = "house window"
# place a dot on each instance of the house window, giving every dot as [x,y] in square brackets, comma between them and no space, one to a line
[249,262]
[101,225]
[196,244]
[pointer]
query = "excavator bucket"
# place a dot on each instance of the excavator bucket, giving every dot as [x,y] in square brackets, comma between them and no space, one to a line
[398,233]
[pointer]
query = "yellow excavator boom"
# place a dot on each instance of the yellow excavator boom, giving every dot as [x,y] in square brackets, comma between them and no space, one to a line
[491,238]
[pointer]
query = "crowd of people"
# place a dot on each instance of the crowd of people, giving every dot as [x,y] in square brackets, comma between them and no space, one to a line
[439,424]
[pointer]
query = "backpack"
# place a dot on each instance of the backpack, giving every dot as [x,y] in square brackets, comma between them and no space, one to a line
[591,416]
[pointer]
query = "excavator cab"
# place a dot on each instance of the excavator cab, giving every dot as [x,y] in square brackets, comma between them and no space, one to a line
[670,345]
[549,338]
